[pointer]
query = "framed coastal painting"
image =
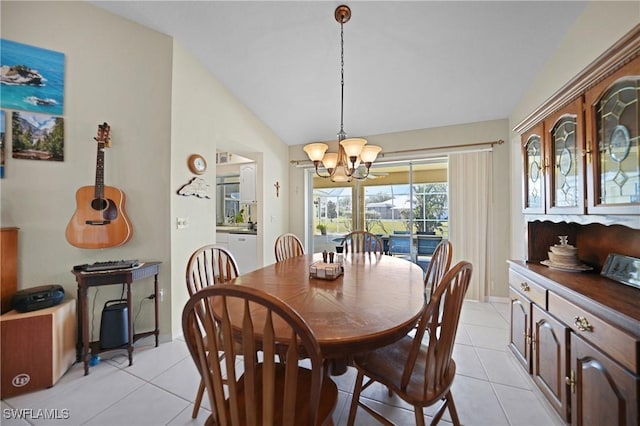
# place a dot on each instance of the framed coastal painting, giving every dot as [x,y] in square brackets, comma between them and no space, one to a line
[3,122]
[32,78]
[37,136]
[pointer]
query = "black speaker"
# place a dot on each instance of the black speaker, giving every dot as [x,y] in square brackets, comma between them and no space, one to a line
[34,298]
[114,325]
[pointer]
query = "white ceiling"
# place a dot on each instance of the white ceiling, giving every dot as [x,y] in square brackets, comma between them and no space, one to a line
[407,64]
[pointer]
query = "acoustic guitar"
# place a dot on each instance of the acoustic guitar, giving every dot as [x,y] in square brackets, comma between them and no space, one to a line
[100,219]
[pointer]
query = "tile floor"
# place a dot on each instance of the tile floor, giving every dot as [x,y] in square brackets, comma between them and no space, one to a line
[159,388]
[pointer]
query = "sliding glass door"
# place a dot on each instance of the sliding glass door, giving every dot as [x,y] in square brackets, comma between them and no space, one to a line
[405,203]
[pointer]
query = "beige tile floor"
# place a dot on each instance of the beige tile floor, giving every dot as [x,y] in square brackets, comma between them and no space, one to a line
[159,388]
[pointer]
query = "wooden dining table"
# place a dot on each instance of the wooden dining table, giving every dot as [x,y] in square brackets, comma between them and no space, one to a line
[376,301]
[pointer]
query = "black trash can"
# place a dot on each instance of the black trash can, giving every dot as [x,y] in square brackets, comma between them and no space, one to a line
[114,325]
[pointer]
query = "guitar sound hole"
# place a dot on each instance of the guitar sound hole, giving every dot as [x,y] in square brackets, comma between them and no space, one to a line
[107,207]
[99,204]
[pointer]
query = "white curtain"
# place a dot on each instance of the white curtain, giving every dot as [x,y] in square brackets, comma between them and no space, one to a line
[470,213]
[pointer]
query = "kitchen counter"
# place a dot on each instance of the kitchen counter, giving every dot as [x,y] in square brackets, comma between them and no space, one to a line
[235,230]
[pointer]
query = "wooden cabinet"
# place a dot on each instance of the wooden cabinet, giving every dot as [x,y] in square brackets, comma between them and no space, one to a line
[578,334]
[613,121]
[564,142]
[520,335]
[535,164]
[8,267]
[581,343]
[553,177]
[581,148]
[248,183]
[523,293]
[602,392]
[549,339]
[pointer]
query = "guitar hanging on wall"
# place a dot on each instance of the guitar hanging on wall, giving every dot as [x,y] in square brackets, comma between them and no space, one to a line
[100,220]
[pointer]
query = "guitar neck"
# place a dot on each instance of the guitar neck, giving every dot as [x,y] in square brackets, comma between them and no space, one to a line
[99,186]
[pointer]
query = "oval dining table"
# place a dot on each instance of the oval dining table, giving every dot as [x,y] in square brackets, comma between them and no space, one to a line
[376,301]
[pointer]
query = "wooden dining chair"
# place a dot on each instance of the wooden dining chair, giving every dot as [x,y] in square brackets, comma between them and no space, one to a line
[362,242]
[260,390]
[420,370]
[439,265]
[208,265]
[288,245]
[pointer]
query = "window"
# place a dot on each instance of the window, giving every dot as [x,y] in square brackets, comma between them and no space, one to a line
[408,198]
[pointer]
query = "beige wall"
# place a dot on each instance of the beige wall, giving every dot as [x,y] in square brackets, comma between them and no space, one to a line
[162,106]
[601,24]
[207,117]
[108,62]
[436,137]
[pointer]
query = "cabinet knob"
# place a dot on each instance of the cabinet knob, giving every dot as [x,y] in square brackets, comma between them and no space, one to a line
[524,286]
[582,324]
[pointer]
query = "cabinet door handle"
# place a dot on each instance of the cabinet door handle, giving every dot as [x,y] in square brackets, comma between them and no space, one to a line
[524,286]
[571,381]
[582,324]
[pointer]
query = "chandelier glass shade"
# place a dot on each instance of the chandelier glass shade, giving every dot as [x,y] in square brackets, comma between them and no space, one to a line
[352,152]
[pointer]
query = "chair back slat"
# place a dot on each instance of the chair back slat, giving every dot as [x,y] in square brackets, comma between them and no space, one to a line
[291,377]
[439,265]
[288,245]
[439,322]
[268,392]
[209,265]
[249,352]
[362,242]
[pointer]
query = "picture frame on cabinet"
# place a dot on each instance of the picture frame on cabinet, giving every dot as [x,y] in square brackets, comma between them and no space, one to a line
[624,269]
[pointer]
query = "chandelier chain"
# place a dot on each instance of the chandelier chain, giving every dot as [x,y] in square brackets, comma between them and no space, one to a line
[343,165]
[341,134]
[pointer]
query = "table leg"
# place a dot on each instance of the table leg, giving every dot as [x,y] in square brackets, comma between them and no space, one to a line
[84,327]
[129,307]
[79,327]
[157,302]
[336,366]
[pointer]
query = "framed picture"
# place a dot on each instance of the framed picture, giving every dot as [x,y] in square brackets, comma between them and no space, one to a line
[37,136]
[3,123]
[624,269]
[32,78]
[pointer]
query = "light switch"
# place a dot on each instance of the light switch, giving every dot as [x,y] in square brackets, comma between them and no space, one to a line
[182,222]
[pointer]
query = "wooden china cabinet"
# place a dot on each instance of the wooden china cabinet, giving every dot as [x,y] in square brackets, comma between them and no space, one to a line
[577,332]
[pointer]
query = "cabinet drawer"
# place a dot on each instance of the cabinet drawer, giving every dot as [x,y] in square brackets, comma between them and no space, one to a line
[535,292]
[620,345]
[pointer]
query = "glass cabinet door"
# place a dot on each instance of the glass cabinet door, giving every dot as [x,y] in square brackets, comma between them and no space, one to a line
[534,163]
[565,179]
[614,117]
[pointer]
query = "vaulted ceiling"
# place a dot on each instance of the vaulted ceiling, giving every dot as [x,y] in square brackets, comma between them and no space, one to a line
[407,64]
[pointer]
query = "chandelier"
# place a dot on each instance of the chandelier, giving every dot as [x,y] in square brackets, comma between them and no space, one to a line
[342,166]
